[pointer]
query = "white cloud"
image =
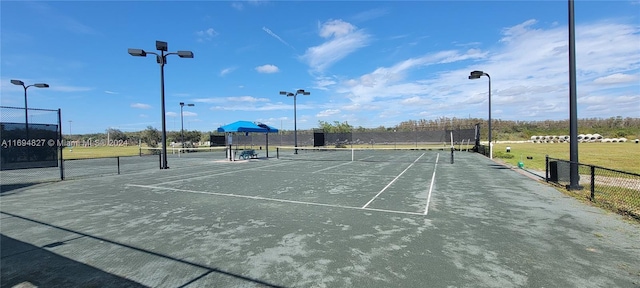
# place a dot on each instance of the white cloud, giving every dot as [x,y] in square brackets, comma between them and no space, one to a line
[189,114]
[250,108]
[246,99]
[238,99]
[344,39]
[226,71]
[274,35]
[328,112]
[617,78]
[140,106]
[110,92]
[206,35]
[323,83]
[529,77]
[64,88]
[268,68]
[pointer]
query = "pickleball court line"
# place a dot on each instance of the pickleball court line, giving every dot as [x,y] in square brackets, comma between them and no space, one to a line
[332,167]
[394,180]
[187,177]
[433,180]
[274,199]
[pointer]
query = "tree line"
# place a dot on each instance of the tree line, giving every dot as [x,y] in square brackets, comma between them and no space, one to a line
[613,127]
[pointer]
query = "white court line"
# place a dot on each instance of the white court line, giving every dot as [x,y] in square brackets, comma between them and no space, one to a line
[274,200]
[332,167]
[186,177]
[433,180]
[331,173]
[394,180]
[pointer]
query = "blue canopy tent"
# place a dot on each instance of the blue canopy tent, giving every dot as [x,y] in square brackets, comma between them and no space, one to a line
[249,127]
[246,126]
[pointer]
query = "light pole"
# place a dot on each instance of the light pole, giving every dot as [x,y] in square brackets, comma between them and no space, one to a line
[161,58]
[295,128]
[574,176]
[476,75]
[182,122]
[26,111]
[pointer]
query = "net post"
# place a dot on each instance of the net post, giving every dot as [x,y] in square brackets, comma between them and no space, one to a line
[277,152]
[353,158]
[452,154]
[118,159]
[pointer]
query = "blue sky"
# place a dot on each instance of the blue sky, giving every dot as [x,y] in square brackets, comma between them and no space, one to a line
[368,63]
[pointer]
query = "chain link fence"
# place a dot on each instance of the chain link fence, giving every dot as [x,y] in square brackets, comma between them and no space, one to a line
[613,189]
[461,137]
[30,152]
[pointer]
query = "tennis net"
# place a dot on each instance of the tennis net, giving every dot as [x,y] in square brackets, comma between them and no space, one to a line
[215,152]
[409,155]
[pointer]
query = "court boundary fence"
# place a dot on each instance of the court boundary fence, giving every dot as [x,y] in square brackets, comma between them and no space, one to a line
[30,174]
[613,189]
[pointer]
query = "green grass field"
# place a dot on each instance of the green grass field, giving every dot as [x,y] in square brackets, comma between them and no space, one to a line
[79,152]
[618,156]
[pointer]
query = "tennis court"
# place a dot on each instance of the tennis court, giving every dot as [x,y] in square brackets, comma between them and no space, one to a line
[333,218]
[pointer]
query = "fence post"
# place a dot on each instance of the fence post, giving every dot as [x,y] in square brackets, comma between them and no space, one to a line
[593,183]
[61,148]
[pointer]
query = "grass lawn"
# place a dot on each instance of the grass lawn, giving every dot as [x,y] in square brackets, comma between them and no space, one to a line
[79,152]
[618,156]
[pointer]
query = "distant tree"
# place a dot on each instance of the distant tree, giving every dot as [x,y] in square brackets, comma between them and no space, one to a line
[151,136]
[115,135]
[336,127]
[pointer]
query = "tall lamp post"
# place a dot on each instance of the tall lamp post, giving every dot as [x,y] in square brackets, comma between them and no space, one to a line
[182,122]
[295,128]
[26,111]
[161,58]
[476,75]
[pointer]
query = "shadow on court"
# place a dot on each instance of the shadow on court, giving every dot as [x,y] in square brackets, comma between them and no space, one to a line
[8,189]
[25,262]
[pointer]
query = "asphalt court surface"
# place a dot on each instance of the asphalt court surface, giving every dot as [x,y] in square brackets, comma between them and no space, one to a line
[401,187]
[281,223]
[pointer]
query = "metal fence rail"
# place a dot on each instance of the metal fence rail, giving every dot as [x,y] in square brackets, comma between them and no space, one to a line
[615,189]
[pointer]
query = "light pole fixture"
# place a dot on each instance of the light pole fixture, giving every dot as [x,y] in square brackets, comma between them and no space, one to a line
[182,122]
[161,58]
[26,113]
[476,75]
[295,128]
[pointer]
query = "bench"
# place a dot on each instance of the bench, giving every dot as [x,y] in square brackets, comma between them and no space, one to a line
[246,154]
